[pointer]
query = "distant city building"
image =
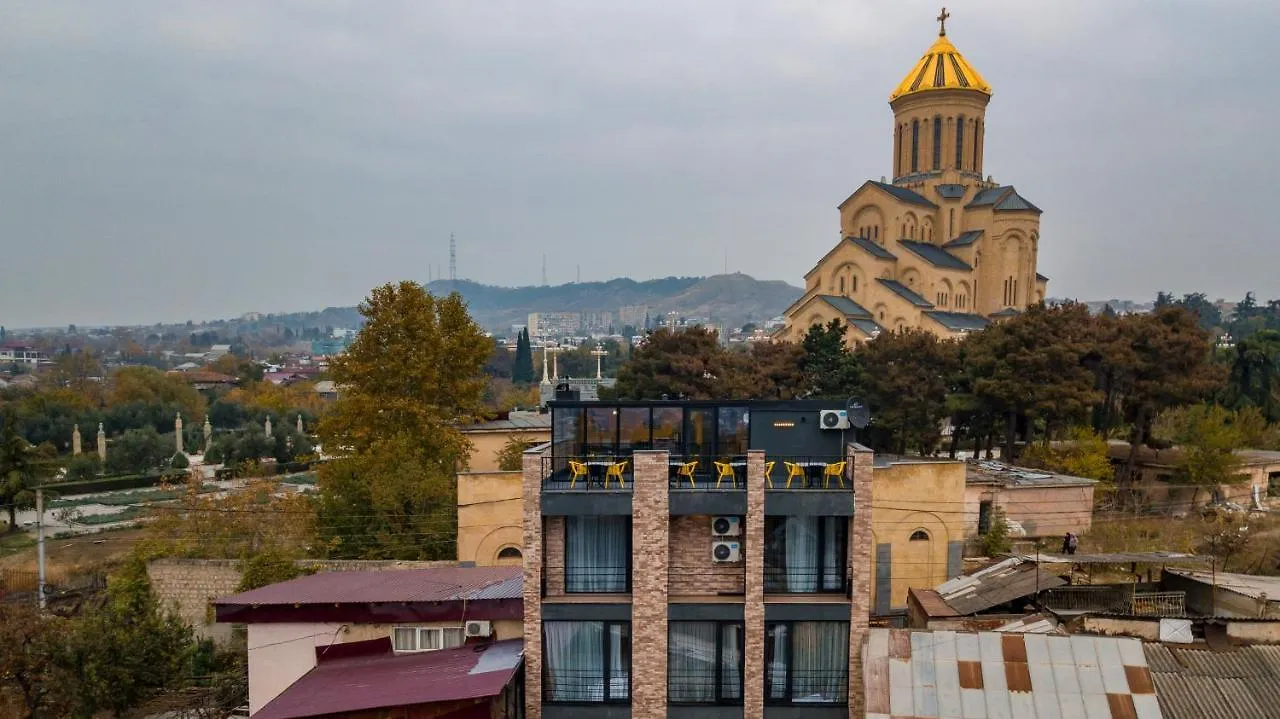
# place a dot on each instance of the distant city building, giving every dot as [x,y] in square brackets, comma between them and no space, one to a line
[633,316]
[330,347]
[23,354]
[554,324]
[251,317]
[597,321]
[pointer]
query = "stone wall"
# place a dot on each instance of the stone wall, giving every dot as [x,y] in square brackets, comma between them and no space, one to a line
[531,478]
[191,585]
[862,460]
[693,573]
[650,545]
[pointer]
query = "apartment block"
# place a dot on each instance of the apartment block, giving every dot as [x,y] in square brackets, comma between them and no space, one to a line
[553,325]
[633,316]
[696,559]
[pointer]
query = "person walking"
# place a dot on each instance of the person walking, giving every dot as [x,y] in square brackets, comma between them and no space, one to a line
[1069,543]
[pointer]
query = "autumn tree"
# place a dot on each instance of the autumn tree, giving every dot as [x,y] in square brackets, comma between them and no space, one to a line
[412,377]
[33,683]
[905,374]
[684,364]
[258,519]
[22,468]
[830,369]
[151,386]
[1081,454]
[778,370]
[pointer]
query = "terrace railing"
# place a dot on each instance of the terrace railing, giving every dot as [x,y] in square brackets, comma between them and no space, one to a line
[801,472]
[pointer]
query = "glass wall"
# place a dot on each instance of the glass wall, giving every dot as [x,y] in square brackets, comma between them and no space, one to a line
[805,555]
[667,425]
[704,663]
[732,431]
[602,430]
[806,662]
[700,432]
[597,554]
[587,662]
[633,429]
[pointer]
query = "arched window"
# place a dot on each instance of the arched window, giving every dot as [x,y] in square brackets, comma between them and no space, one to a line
[875,232]
[977,132]
[898,155]
[855,283]
[919,536]
[960,142]
[842,285]
[951,224]
[937,142]
[510,553]
[915,145]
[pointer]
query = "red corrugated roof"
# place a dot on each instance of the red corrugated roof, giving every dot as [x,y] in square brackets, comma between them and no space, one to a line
[441,584]
[389,680]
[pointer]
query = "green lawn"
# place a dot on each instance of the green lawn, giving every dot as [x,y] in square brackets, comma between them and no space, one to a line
[14,542]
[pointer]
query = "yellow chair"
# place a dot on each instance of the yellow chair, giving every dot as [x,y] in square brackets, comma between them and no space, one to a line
[615,470]
[725,469]
[833,470]
[794,470]
[686,470]
[576,470]
[768,473]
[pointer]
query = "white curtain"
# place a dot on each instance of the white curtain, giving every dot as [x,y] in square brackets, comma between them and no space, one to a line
[575,661]
[820,668]
[776,682]
[802,554]
[619,661]
[731,663]
[832,554]
[691,662]
[596,554]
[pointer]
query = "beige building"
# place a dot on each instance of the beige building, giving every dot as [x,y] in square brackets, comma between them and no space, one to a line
[941,247]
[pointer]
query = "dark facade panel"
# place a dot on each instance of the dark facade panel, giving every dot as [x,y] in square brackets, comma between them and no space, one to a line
[583,711]
[703,712]
[813,712]
[808,502]
[552,611]
[797,612]
[577,504]
[704,612]
[686,502]
[884,578]
[955,558]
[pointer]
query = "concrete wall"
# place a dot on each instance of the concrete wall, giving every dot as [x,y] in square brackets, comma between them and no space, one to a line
[489,512]
[486,445]
[1041,511]
[908,497]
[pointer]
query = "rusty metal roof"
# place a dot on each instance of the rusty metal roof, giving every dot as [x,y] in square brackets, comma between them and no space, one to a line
[1116,558]
[439,584]
[997,584]
[1200,683]
[909,674]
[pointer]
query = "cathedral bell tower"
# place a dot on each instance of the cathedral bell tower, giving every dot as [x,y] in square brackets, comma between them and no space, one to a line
[939,112]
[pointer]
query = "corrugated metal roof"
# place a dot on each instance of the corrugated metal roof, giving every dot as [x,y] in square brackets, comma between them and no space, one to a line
[903,194]
[1199,682]
[935,255]
[874,249]
[846,306]
[905,293]
[1114,558]
[997,584]
[965,239]
[989,196]
[910,674]
[958,321]
[442,584]
[1014,201]
[383,681]
[1250,585]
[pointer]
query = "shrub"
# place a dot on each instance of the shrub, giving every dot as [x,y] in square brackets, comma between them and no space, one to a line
[180,461]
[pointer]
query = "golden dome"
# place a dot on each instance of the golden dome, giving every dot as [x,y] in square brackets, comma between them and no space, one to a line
[941,68]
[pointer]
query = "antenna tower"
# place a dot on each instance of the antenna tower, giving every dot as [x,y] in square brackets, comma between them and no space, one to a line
[453,261]
[544,270]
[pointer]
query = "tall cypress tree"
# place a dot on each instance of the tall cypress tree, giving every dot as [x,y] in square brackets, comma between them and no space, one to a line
[522,372]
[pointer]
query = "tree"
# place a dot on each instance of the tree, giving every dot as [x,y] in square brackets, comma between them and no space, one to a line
[522,372]
[906,386]
[270,566]
[1254,380]
[22,468]
[140,450]
[996,541]
[830,369]
[689,364]
[1083,454]
[511,456]
[151,386]
[34,684]
[777,368]
[412,377]
[1206,313]
[1207,442]
[126,651]
[258,519]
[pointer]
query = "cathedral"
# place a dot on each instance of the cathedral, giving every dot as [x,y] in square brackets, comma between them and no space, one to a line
[938,248]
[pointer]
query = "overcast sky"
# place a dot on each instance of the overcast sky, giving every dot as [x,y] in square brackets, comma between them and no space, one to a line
[170,160]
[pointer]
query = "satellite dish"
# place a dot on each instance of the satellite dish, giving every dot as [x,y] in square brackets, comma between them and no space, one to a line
[859,414]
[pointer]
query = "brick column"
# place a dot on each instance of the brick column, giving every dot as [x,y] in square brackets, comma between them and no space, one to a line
[860,547]
[532,550]
[753,602]
[650,522]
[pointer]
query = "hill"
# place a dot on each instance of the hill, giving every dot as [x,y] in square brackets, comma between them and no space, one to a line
[732,299]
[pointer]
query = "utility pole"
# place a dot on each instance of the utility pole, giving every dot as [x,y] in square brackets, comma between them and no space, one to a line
[40,542]
[453,262]
[544,270]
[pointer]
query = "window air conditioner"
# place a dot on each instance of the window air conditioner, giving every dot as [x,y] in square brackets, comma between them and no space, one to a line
[726,526]
[726,552]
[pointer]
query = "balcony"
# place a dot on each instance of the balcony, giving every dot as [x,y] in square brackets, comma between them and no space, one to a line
[588,473]
[808,472]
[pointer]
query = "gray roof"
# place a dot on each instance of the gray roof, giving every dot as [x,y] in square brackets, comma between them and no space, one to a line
[950,192]
[1002,198]
[1004,581]
[903,194]
[1115,558]
[958,321]
[1196,682]
[991,471]
[846,306]
[910,673]
[1006,312]
[1250,585]
[902,291]
[989,196]
[1014,201]
[935,255]
[1041,277]
[964,239]
[525,421]
[873,248]
[868,327]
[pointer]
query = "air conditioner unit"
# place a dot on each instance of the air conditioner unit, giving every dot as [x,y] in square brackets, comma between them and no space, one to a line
[726,552]
[726,526]
[834,419]
[479,628]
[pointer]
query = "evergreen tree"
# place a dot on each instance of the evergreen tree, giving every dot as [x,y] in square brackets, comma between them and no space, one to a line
[522,372]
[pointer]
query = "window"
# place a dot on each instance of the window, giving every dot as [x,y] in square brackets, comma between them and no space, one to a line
[633,428]
[805,554]
[977,131]
[842,285]
[602,430]
[937,142]
[586,662]
[806,662]
[667,422]
[510,553]
[855,283]
[422,639]
[704,663]
[898,155]
[875,232]
[951,224]
[732,425]
[919,536]
[597,554]
[960,143]
[915,145]
[984,516]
